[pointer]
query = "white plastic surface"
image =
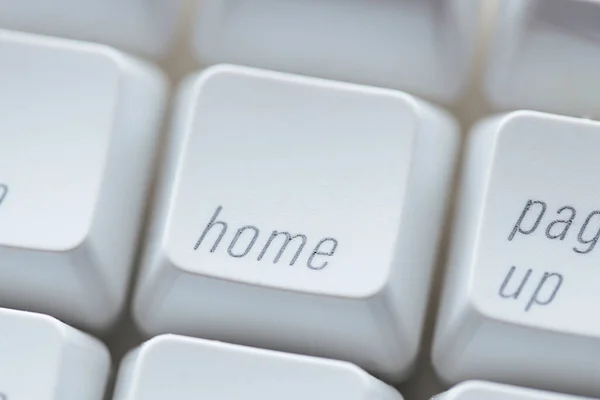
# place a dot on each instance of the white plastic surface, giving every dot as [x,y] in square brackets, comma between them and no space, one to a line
[358,179]
[78,127]
[480,390]
[521,292]
[180,368]
[422,46]
[545,56]
[143,27]
[44,359]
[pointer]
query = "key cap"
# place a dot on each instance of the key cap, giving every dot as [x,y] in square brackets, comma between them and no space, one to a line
[477,390]
[181,368]
[422,46]
[78,127]
[521,291]
[546,56]
[45,359]
[298,214]
[144,27]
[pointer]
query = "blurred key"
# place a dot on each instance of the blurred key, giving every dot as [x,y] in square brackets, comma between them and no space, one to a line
[422,46]
[181,368]
[478,390]
[521,291]
[546,56]
[299,214]
[44,359]
[78,131]
[138,26]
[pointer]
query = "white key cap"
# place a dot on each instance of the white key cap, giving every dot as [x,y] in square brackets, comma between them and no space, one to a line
[181,368]
[479,390]
[546,56]
[44,359]
[78,128]
[146,27]
[422,46]
[522,286]
[299,214]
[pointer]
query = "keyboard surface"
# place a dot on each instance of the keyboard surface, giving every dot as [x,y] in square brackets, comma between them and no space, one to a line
[234,115]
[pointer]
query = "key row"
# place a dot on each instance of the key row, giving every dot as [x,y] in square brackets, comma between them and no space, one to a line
[297,214]
[544,54]
[45,359]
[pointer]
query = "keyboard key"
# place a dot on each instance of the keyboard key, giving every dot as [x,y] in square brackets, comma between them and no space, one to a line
[546,56]
[298,214]
[182,368]
[521,292]
[422,46]
[44,359]
[477,390]
[145,27]
[78,127]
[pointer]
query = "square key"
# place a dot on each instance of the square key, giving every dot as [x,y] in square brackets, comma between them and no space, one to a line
[137,26]
[298,214]
[426,47]
[545,56]
[481,390]
[79,126]
[45,359]
[522,287]
[182,368]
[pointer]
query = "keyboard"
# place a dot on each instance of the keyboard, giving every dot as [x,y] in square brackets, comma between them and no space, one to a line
[241,199]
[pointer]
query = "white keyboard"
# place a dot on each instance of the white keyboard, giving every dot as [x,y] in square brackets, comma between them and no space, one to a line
[350,199]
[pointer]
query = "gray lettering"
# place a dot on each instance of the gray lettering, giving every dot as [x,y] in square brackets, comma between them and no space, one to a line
[213,221]
[592,242]
[237,236]
[550,295]
[287,239]
[246,237]
[515,294]
[318,252]
[3,193]
[565,223]
[529,206]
